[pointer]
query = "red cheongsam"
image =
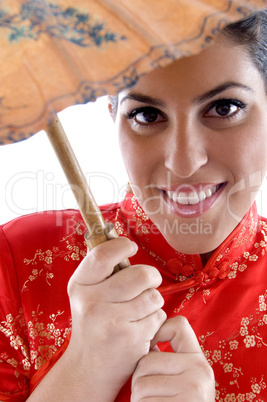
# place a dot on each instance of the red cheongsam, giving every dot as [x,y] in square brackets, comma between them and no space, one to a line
[225,301]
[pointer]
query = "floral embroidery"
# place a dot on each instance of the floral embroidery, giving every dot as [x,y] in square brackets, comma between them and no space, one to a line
[43,260]
[251,338]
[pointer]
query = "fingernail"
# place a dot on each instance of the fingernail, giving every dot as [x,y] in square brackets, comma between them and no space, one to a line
[135,247]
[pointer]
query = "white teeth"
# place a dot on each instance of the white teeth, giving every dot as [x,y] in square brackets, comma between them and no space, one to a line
[208,193]
[181,198]
[192,198]
[202,195]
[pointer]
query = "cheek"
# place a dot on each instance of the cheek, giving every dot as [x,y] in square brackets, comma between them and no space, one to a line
[140,156]
[248,164]
[132,156]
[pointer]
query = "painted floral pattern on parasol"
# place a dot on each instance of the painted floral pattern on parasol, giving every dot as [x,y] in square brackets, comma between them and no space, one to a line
[68,23]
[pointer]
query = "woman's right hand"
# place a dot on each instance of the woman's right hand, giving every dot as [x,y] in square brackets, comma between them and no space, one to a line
[114,318]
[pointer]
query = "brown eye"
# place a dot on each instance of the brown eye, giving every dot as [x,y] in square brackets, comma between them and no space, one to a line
[146,116]
[224,108]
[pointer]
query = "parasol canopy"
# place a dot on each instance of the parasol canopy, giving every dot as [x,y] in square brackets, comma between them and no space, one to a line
[57,53]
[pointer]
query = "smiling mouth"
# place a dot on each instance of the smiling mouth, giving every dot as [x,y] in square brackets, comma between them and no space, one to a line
[193,197]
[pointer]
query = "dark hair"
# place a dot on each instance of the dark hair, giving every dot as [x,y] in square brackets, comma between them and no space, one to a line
[252,33]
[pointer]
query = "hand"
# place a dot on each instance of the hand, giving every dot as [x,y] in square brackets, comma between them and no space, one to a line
[114,318]
[184,375]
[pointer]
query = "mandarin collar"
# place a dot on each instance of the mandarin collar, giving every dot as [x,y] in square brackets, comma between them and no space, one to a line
[187,269]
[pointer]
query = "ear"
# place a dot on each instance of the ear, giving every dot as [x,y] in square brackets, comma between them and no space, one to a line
[112,106]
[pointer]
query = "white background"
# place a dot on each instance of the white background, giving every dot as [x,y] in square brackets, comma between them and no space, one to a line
[32,179]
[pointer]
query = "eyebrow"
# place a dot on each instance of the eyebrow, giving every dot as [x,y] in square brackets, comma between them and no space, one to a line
[137,96]
[219,89]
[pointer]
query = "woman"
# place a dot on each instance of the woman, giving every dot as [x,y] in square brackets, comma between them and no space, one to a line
[193,139]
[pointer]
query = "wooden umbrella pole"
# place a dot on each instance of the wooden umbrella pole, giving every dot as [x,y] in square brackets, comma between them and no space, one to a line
[98,230]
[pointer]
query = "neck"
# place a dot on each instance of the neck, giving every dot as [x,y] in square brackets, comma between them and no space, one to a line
[205,257]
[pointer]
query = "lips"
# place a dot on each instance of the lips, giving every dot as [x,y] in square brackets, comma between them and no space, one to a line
[192,201]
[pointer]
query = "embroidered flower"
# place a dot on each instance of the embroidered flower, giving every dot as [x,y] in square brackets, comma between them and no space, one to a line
[12,362]
[56,333]
[206,353]
[83,253]
[256,388]
[245,321]
[33,354]
[39,362]
[233,345]
[217,355]
[244,331]
[253,258]
[240,398]
[228,367]
[242,267]
[75,257]
[250,396]
[26,364]
[234,266]
[50,327]
[250,341]
[230,398]
[9,318]
[59,341]
[33,333]
[232,275]
[66,332]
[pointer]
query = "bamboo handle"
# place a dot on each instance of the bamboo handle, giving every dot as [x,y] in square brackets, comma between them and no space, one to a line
[98,230]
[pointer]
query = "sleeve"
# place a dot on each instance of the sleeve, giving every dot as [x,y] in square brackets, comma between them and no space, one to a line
[14,347]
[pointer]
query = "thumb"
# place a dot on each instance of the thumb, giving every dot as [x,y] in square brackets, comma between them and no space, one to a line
[180,334]
[100,261]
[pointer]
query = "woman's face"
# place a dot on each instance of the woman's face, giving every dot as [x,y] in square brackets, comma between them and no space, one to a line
[193,138]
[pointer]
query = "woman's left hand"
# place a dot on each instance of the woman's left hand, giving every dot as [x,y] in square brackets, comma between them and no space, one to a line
[184,375]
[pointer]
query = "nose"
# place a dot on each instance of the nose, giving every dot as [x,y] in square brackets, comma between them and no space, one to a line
[187,150]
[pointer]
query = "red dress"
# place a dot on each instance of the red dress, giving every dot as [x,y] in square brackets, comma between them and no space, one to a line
[225,301]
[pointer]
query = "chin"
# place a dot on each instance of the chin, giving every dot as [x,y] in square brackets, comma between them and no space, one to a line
[192,245]
[196,237]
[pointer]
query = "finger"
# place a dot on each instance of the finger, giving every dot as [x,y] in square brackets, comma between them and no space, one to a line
[100,261]
[148,326]
[128,283]
[180,334]
[165,363]
[143,305]
[170,374]
[179,388]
